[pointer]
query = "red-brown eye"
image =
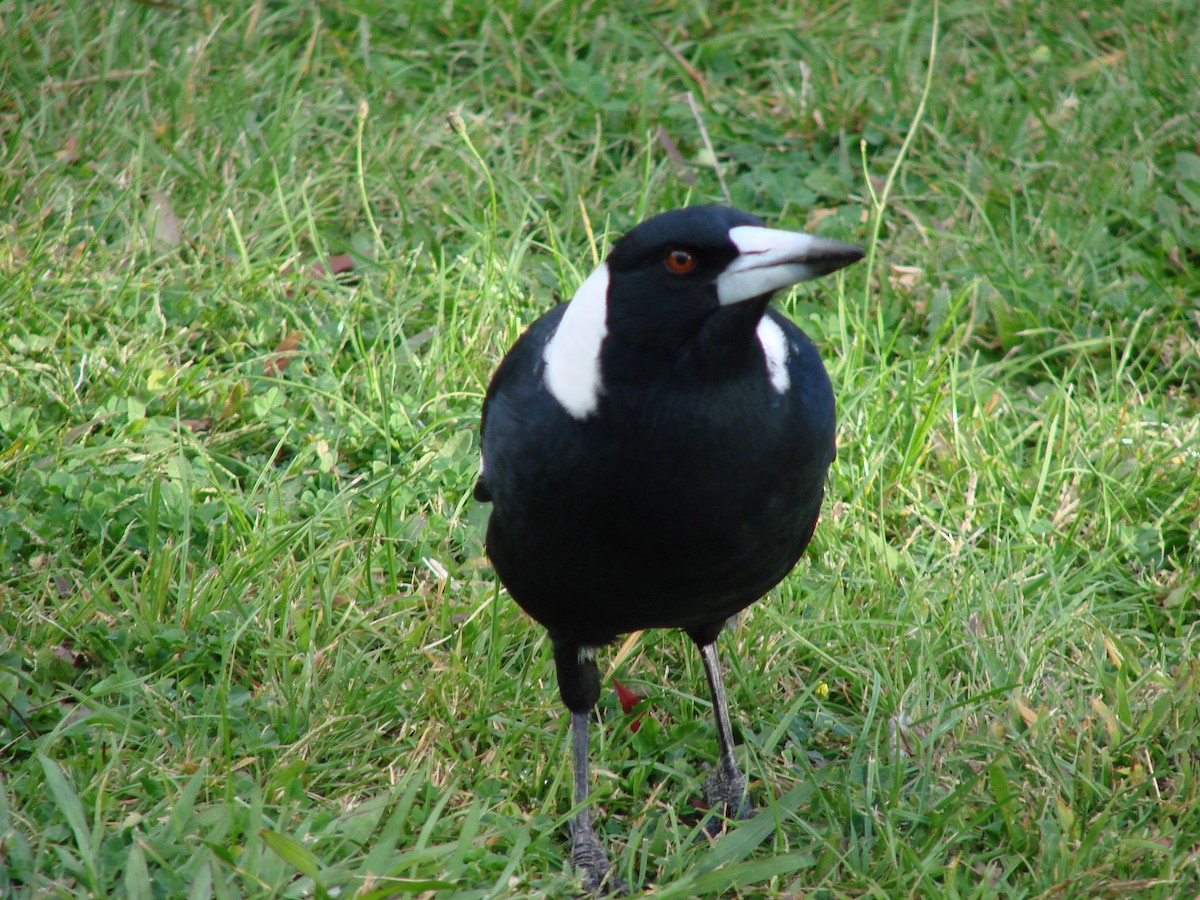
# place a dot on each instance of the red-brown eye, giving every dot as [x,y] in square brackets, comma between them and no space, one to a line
[680,261]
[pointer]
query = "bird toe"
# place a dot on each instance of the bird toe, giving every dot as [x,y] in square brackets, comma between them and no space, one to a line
[727,799]
[590,862]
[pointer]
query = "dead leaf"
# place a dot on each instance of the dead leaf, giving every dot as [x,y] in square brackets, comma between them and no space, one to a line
[904,278]
[672,150]
[278,362]
[69,152]
[82,430]
[816,216]
[338,263]
[73,658]
[233,403]
[1114,655]
[902,734]
[342,262]
[1095,66]
[975,625]
[1027,712]
[168,229]
[1111,725]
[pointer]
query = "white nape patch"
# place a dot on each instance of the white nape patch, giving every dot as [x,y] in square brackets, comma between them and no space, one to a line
[769,259]
[775,349]
[572,354]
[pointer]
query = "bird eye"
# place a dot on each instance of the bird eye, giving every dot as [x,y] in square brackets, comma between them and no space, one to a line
[680,261]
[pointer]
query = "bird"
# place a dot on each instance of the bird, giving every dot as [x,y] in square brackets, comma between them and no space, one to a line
[655,452]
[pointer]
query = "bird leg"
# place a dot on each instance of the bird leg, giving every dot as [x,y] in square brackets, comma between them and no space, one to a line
[579,686]
[587,855]
[724,789]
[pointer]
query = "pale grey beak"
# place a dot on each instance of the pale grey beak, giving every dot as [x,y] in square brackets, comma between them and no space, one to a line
[769,259]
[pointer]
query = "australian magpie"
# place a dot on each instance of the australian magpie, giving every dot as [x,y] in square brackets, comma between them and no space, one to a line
[655,453]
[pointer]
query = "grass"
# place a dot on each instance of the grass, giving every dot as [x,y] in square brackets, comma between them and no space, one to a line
[249,642]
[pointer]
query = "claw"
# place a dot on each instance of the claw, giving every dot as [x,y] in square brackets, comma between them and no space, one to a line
[591,863]
[726,795]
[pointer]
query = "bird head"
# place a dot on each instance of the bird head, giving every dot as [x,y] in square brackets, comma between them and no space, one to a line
[675,287]
[717,256]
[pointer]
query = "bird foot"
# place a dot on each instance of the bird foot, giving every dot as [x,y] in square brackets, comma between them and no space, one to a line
[726,795]
[589,860]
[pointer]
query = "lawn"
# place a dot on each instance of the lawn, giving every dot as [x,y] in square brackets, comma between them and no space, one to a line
[256,267]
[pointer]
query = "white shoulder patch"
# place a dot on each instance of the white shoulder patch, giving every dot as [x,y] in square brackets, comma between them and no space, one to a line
[572,354]
[775,350]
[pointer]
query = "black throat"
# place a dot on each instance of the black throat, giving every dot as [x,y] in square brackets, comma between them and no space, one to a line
[719,344]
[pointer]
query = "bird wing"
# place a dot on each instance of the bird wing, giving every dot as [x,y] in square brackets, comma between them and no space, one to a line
[808,375]
[524,358]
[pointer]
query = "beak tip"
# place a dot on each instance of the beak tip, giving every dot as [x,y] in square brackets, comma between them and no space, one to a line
[832,255]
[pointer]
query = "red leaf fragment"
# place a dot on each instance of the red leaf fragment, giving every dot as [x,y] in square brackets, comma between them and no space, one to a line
[335,265]
[629,700]
[342,262]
